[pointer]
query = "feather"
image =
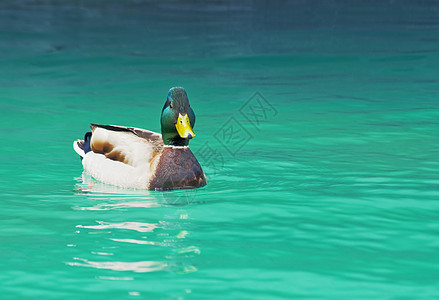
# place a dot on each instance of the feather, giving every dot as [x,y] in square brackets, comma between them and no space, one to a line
[121,156]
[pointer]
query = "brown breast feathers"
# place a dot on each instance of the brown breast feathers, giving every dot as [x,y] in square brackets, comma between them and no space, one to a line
[177,169]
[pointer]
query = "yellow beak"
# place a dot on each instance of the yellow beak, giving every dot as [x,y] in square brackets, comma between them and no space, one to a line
[183,126]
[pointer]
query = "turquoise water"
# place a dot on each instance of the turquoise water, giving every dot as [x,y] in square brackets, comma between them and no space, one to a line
[317,127]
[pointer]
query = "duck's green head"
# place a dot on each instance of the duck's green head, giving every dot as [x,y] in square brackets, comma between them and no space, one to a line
[177,118]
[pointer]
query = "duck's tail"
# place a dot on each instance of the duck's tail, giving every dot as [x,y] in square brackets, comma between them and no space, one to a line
[82,146]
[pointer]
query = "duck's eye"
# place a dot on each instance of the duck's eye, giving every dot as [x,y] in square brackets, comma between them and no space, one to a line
[170,105]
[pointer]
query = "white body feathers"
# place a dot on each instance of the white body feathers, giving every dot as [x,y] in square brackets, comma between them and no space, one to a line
[133,161]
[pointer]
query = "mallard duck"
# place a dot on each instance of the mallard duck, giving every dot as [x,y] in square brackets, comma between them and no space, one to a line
[138,158]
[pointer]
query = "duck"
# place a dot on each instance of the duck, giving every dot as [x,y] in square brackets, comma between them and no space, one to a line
[142,159]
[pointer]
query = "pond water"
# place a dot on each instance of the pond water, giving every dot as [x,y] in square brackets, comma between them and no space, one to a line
[317,127]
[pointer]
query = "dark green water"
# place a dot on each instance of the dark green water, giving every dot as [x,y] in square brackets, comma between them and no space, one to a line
[317,126]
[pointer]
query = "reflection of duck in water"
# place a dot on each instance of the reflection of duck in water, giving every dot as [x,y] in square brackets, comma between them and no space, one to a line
[178,251]
[138,158]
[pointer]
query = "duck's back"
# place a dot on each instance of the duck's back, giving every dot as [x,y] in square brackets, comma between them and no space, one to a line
[124,146]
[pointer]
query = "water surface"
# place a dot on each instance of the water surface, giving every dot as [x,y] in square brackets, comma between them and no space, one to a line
[316,126]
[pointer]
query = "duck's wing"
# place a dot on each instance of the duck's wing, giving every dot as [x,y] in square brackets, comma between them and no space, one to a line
[123,156]
[151,136]
[132,146]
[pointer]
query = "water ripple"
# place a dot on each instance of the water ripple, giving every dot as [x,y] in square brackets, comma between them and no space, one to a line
[134,241]
[138,267]
[123,205]
[137,226]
